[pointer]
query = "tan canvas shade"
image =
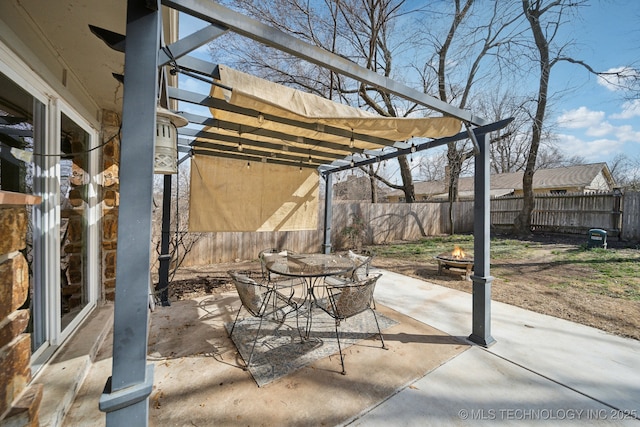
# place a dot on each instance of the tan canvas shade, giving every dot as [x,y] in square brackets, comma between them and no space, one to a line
[278,100]
[226,195]
[248,163]
[252,117]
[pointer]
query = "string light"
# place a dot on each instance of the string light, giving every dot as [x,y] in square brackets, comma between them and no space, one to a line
[248,165]
[240,146]
[351,141]
[352,163]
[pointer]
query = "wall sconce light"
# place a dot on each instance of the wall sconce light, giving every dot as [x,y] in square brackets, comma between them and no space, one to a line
[166,148]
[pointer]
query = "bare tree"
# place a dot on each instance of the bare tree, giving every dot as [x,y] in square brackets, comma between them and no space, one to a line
[626,171]
[509,147]
[432,168]
[181,241]
[545,19]
[461,61]
[625,79]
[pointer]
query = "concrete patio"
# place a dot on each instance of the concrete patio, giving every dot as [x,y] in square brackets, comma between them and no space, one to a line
[542,370]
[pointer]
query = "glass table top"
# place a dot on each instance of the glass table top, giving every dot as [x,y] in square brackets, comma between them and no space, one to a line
[309,265]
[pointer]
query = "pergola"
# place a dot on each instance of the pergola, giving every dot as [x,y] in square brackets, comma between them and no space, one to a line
[125,398]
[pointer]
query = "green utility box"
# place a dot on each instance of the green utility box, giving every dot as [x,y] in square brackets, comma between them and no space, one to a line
[597,238]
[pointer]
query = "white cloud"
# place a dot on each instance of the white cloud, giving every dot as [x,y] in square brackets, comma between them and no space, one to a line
[595,150]
[630,109]
[627,134]
[618,78]
[594,125]
[600,129]
[580,118]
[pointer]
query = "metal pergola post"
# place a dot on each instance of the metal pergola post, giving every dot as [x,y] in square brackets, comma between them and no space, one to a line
[481,317]
[126,396]
[328,213]
[165,257]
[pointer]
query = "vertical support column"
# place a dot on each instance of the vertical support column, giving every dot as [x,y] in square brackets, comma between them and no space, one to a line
[126,395]
[165,257]
[328,213]
[481,327]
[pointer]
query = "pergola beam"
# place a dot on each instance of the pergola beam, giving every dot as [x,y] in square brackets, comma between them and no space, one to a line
[257,154]
[190,43]
[325,170]
[255,159]
[259,149]
[232,143]
[237,127]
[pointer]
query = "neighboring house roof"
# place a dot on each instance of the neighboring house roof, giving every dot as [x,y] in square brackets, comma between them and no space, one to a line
[571,176]
[579,176]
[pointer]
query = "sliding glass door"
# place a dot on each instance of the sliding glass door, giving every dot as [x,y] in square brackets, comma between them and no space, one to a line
[49,150]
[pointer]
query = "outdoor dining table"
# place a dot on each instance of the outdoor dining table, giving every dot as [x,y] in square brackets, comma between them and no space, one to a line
[312,269]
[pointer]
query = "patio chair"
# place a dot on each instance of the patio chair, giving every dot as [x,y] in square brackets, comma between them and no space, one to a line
[363,263]
[260,300]
[360,272]
[264,257]
[347,300]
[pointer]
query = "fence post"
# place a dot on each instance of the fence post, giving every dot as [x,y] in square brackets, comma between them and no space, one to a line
[617,214]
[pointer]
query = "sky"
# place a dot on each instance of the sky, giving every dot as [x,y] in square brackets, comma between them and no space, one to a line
[591,118]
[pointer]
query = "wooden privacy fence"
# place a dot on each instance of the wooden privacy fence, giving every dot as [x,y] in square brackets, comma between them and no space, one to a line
[389,222]
[215,248]
[384,222]
[568,213]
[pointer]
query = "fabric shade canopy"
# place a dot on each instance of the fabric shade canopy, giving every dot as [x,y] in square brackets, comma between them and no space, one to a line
[282,101]
[252,117]
[274,128]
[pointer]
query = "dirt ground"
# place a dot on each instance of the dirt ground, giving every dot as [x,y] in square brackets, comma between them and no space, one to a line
[529,283]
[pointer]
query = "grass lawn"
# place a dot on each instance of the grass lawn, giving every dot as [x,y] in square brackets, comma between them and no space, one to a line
[555,275]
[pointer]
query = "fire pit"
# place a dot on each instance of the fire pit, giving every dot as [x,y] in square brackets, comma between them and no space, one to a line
[456,260]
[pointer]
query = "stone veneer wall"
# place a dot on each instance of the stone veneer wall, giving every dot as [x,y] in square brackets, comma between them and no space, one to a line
[73,244]
[110,201]
[19,402]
